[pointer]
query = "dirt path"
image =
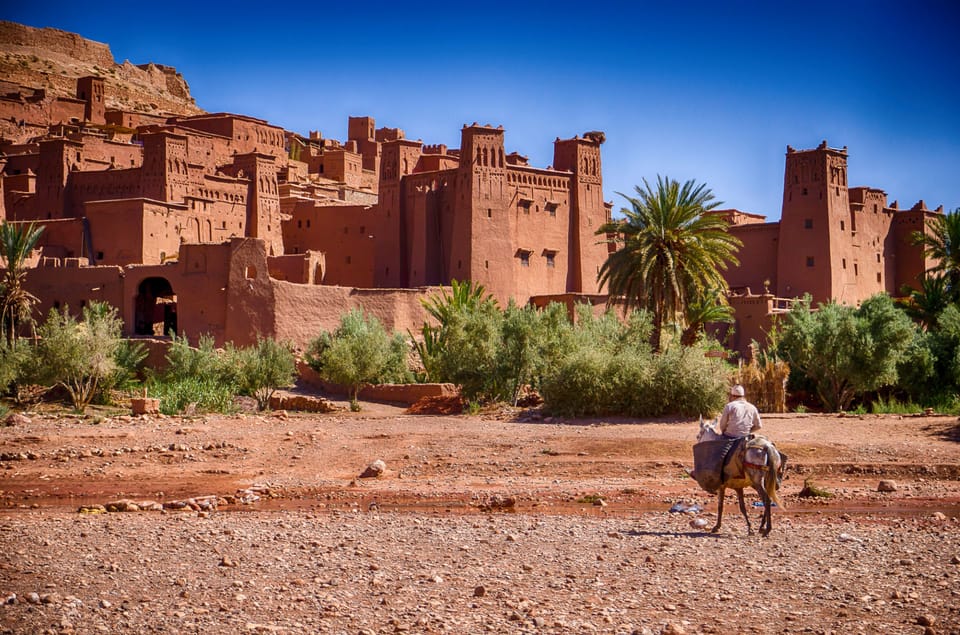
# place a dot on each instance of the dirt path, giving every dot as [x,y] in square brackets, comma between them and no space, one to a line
[430,545]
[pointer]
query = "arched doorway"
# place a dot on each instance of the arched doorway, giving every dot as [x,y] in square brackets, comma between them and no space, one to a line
[155,308]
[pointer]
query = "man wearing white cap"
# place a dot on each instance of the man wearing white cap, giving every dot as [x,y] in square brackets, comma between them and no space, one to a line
[740,417]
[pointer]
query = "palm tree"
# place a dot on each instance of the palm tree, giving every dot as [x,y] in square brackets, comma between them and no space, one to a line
[941,242]
[16,303]
[669,250]
[925,305]
[705,308]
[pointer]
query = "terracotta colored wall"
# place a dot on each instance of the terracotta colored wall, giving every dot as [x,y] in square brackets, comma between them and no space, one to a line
[343,233]
[304,311]
[74,287]
[62,238]
[753,316]
[757,256]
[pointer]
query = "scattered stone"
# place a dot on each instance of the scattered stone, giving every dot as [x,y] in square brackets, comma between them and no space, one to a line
[699,523]
[955,560]
[887,485]
[479,591]
[226,561]
[16,419]
[33,598]
[374,470]
[926,620]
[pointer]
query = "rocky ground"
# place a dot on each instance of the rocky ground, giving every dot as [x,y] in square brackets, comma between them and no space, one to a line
[502,522]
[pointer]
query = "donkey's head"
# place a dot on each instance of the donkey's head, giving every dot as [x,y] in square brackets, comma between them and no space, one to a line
[708,430]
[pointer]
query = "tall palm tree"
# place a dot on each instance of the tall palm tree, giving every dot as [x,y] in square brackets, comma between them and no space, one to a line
[941,242]
[16,303]
[669,249]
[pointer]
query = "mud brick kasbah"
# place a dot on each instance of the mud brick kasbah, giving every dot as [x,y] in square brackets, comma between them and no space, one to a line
[225,224]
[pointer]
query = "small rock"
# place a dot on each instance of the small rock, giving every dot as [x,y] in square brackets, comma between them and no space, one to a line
[375,469]
[479,591]
[938,517]
[673,628]
[926,620]
[33,598]
[226,561]
[887,485]
[16,419]
[955,560]
[105,604]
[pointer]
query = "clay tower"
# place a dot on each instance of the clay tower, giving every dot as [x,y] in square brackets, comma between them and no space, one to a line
[814,252]
[90,90]
[483,227]
[398,158]
[581,156]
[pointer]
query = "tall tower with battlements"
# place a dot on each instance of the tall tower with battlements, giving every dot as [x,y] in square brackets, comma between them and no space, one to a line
[814,251]
[581,156]
[483,229]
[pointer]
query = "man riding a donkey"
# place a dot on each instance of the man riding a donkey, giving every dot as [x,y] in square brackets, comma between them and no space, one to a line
[732,456]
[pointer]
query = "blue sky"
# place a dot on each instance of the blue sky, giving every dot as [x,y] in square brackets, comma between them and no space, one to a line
[712,91]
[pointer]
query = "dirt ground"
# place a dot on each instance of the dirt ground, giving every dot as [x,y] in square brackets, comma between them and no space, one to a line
[503,522]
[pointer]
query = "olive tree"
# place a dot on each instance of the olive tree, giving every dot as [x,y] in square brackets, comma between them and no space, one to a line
[846,351]
[79,354]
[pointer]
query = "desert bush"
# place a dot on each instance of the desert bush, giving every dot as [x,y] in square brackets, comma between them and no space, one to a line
[611,370]
[263,368]
[202,393]
[128,362]
[79,355]
[359,352]
[201,377]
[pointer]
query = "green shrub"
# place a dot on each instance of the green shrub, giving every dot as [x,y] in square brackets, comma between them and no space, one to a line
[204,394]
[263,368]
[79,355]
[202,377]
[128,362]
[634,380]
[359,352]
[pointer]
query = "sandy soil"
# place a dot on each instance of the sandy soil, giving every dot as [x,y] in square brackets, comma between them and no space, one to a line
[502,522]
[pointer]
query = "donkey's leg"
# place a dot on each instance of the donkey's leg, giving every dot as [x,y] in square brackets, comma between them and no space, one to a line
[743,510]
[720,496]
[765,523]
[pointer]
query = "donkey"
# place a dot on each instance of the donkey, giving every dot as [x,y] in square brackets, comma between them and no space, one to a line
[755,463]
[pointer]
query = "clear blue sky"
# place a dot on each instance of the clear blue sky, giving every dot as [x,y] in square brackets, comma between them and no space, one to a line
[712,91]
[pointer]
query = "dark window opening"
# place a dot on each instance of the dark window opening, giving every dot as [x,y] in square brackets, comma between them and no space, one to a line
[809,261]
[808,223]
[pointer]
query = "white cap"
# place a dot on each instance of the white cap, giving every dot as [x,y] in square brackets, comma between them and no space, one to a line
[737,391]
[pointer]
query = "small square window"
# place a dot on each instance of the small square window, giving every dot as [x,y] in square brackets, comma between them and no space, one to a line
[808,223]
[841,226]
[551,260]
[878,277]
[809,261]
[878,257]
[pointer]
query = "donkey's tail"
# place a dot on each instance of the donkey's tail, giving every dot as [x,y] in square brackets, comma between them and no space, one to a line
[772,481]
